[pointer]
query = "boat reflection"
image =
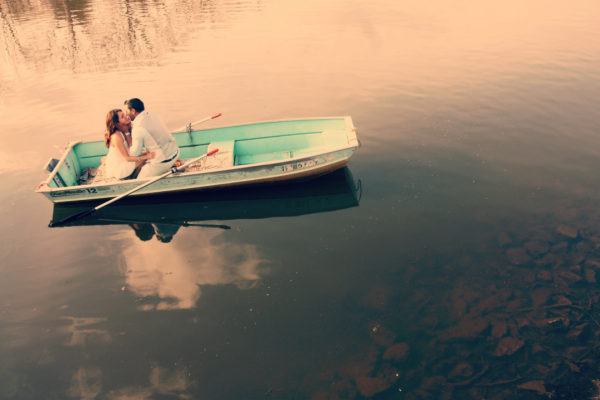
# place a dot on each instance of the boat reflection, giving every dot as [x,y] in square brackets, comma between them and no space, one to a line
[163,216]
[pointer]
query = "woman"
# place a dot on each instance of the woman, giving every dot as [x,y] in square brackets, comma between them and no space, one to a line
[119,163]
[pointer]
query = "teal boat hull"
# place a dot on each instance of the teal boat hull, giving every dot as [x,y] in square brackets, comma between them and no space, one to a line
[264,153]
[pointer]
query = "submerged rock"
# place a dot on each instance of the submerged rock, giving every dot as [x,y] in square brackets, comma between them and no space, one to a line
[518,256]
[583,247]
[514,304]
[462,370]
[561,299]
[539,296]
[560,247]
[459,308]
[489,304]
[522,322]
[560,281]
[504,239]
[499,328]
[475,393]
[467,328]
[542,371]
[537,348]
[381,335]
[593,263]
[364,368]
[398,352]
[536,248]
[551,260]
[508,346]
[559,322]
[542,235]
[567,231]
[537,386]
[570,276]
[528,275]
[579,332]
[589,275]
[575,352]
[577,258]
[434,383]
[575,268]
[419,394]
[470,295]
[544,276]
[369,387]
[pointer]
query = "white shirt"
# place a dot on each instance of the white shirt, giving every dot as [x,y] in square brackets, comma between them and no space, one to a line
[150,131]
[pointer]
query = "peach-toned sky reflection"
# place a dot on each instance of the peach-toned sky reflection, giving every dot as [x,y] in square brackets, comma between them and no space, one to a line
[175,271]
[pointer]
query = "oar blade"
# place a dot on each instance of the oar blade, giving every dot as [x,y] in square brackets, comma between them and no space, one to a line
[208,226]
[73,217]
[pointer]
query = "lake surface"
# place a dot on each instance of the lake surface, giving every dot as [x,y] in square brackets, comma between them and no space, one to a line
[464,268]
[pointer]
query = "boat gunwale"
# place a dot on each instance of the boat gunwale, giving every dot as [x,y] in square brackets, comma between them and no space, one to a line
[345,118]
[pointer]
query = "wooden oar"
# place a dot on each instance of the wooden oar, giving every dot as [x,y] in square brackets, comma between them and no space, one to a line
[185,224]
[172,171]
[197,122]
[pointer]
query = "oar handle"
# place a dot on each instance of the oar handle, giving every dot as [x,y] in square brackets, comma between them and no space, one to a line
[198,122]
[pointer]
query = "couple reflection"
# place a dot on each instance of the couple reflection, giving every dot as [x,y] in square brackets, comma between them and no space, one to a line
[164,232]
[171,277]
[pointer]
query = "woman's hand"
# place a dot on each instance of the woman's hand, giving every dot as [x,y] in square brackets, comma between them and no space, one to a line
[149,155]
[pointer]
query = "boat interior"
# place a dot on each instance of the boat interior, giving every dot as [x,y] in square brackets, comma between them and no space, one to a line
[238,146]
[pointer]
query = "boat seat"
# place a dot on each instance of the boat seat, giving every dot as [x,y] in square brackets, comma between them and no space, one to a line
[222,159]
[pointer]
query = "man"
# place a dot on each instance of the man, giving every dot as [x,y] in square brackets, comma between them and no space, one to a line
[150,132]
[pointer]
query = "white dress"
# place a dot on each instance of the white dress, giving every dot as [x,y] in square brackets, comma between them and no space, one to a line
[116,166]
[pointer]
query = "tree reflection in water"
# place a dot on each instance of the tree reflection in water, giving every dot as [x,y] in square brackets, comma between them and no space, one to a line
[97,35]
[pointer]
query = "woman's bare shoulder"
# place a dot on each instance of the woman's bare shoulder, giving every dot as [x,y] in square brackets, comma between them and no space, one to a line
[117,137]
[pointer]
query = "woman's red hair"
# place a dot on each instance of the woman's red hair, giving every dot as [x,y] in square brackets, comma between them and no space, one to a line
[112,120]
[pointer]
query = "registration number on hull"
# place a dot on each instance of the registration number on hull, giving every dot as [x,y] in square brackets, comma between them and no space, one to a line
[300,165]
[306,164]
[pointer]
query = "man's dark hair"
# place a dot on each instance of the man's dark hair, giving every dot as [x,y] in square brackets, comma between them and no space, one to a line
[136,104]
[144,232]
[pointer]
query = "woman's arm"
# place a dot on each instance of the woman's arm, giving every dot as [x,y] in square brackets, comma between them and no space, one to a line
[128,135]
[126,130]
[119,144]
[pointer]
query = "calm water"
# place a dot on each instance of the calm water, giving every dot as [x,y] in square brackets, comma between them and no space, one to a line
[480,133]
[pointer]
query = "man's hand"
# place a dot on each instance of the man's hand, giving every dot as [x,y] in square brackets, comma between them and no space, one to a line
[125,128]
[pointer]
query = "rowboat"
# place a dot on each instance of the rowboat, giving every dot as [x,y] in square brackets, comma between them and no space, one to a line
[331,192]
[249,154]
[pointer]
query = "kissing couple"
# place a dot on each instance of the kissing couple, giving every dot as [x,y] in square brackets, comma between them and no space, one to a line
[139,143]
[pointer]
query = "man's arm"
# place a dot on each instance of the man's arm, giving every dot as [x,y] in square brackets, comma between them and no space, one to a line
[138,136]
